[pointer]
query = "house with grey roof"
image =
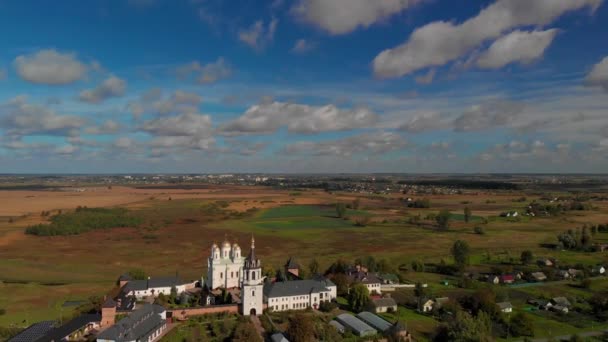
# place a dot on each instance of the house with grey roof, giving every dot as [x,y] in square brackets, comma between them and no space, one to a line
[339,327]
[357,326]
[148,323]
[299,294]
[77,329]
[34,332]
[383,305]
[505,307]
[278,337]
[370,280]
[141,289]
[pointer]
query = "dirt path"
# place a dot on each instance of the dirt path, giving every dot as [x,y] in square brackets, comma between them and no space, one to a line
[258,326]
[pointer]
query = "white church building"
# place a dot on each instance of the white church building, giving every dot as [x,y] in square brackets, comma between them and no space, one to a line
[228,269]
[225,267]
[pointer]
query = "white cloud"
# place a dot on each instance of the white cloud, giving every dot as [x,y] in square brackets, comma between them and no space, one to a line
[440,42]
[488,115]
[598,77]
[66,149]
[50,67]
[303,46]
[518,46]
[111,87]
[424,122]
[107,127]
[344,16]
[124,143]
[188,130]
[269,117]
[372,143]
[205,74]
[20,118]
[258,36]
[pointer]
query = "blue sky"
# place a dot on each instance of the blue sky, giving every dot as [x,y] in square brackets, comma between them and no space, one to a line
[304,86]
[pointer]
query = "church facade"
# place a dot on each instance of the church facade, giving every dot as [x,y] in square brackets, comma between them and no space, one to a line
[225,266]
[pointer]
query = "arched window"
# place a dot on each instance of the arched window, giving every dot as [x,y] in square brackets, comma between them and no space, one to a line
[221,275]
[252,275]
[231,274]
[252,293]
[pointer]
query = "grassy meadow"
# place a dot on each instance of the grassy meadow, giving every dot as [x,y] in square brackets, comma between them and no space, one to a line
[40,273]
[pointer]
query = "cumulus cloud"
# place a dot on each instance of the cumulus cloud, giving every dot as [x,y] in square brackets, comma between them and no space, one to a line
[488,115]
[111,87]
[66,150]
[368,143]
[426,78]
[598,77]
[50,67]
[188,130]
[440,42]
[258,36]
[424,122]
[303,46]
[344,16]
[205,74]
[269,117]
[518,46]
[19,118]
[123,143]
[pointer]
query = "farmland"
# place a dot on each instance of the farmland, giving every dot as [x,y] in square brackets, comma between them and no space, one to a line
[176,228]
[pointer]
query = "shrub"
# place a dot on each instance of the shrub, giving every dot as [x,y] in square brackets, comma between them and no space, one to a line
[84,220]
[479,230]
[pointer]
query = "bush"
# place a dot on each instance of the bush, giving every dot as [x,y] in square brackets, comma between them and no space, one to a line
[328,306]
[478,230]
[2,312]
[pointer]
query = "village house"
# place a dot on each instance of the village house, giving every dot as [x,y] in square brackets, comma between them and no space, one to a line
[507,279]
[493,279]
[299,294]
[574,273]
[563,274]
[153,287]
[505,307]
[371,281]
[434,304]
[538,276]
[383,305]
[545,262]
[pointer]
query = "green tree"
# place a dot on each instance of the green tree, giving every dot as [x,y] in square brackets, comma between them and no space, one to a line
[138,274]
[521,325]
[467,214]
[460,252]
[301,328]
[341,282]
[443,219]
[586,237]
[466,328]
[526,257]
[313,267]
[358,297]
[420,292]
[340,210]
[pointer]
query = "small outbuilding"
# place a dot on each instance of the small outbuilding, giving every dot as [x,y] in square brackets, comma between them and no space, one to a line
[357,326]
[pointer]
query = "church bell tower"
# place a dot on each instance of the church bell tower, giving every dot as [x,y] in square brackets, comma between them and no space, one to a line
[252,289]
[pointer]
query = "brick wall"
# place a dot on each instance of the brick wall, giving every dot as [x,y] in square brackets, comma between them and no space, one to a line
[181,314]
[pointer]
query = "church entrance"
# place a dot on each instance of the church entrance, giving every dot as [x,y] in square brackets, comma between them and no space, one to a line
[252,312]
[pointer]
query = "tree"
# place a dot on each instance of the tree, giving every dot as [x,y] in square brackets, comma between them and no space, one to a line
[478,230]
[460,252]
[246,332]
[358,297]
[521,325]
[526,257]
[467,214]
[341,282]
[466,328]
[420,292]
[340,210]
[301,328]
[417,266]
[443,219]
[313,267]
[586,237]
[567,240]
[138,274]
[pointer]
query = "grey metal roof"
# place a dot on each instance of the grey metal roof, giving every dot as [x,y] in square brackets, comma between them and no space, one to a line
[137,326]
[34,332]
[504,305]
[59,333]
[374,321]
[141,285]
[358,327]
[278,337]
[365,278]
[338,326]
[296,287]
[291,263]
